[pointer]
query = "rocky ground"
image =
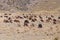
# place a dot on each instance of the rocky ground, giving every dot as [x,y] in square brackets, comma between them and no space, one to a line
[29,20]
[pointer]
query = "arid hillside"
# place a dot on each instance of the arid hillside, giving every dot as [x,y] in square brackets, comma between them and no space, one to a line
[29,19]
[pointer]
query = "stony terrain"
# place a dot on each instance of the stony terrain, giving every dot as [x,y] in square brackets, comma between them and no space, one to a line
[29,5]
[29,20]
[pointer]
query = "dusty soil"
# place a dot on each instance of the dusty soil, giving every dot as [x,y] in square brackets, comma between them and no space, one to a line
[29,19]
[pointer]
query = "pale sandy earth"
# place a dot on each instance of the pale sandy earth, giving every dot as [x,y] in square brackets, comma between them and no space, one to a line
[49,31]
